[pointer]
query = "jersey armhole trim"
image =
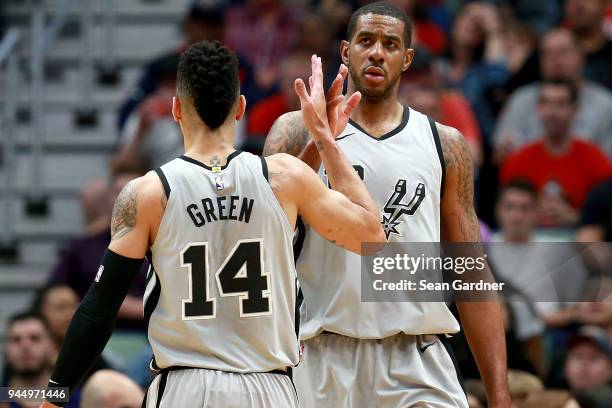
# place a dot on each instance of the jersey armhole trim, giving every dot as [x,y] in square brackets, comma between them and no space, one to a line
[164,181]
[264,167]
[436,137]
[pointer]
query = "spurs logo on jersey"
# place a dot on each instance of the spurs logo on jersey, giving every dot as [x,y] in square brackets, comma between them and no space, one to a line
[394,208]
[404,172]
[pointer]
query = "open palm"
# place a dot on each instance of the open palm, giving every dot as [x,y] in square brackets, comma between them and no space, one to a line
[325,117]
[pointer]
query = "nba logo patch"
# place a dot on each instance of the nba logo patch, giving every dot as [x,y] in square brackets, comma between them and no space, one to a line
[99,274]
[219,183]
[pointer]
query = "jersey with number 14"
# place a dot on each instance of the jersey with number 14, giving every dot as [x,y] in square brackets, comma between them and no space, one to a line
[221,290]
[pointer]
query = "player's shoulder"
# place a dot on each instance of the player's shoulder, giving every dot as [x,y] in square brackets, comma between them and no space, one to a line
[288,164]
[145,190]
[291,116]
[289,175]
[288,121]
[449,135]
[288,134]
[454,147]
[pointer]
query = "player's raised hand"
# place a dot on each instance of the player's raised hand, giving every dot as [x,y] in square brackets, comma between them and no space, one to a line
[339,107]
[314,104]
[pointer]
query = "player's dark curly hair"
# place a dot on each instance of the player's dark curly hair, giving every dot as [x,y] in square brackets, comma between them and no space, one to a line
[208,76]
[380,8]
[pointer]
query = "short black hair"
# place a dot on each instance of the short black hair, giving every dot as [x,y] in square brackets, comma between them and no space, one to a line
[569,85]
[380,8]
[208,76]
[523,185]
[27,315]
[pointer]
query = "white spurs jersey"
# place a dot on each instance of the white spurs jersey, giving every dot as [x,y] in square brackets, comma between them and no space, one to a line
[405,162]
[222,287]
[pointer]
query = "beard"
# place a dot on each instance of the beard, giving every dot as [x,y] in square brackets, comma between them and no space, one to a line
[30,372]
[374,95]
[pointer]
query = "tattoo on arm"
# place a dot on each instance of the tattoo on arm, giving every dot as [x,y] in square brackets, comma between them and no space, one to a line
[459,164]
[288,135]
[124,213]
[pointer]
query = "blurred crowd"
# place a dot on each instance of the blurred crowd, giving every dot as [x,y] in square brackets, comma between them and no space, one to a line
[527,82]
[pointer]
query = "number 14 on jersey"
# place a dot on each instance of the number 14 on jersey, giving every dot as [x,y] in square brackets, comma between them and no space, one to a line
[241,274]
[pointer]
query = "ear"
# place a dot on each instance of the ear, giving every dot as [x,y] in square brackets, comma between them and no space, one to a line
[241,108]
[344,52]
[176,109]
[408,57]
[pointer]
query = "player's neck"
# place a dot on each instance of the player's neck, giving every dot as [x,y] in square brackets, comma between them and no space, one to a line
[210,148]
[374,114]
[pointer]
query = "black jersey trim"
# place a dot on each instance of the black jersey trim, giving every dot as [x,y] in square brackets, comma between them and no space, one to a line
[161,388]
[299,299]
[144,399]
[264,167]
[153,299]
[399,128]
[446,343]
[164,181]
[199,163]
[166,370]
[300,235]
[298,244]
[436,137]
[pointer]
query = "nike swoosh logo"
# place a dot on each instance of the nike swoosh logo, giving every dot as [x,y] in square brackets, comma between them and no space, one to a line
[422,349]
[347,135]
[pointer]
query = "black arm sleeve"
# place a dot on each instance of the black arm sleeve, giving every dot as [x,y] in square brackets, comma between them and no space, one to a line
[94,320]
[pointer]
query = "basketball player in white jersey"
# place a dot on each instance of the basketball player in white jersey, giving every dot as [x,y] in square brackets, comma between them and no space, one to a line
[389,354]
[217,225]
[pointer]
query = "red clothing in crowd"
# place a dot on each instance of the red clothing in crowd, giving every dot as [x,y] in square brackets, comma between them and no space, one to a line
[430,36]
[264,113]
[576,171]
[456,112]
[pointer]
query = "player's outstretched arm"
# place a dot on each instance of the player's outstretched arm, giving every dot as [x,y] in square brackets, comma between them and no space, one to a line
[460,224]
[137,211]
[333,215]
[347,216]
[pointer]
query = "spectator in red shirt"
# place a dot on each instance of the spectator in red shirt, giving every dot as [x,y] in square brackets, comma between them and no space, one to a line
[265,112]
[562,167]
